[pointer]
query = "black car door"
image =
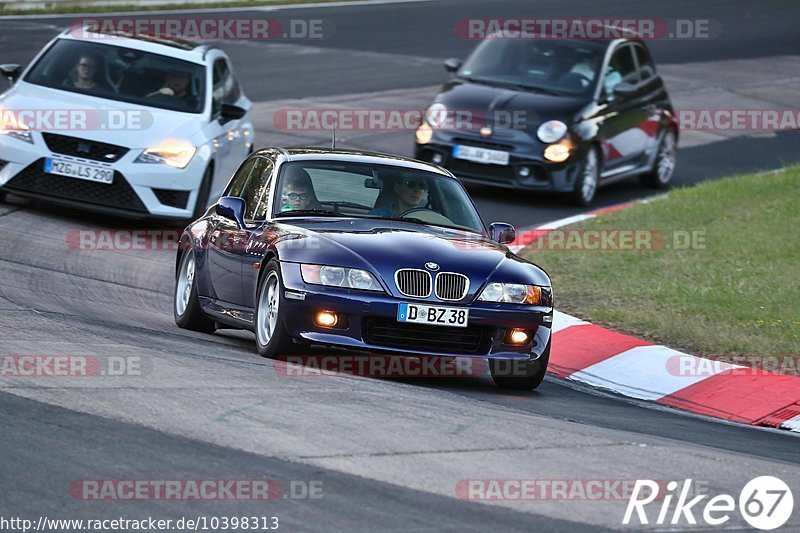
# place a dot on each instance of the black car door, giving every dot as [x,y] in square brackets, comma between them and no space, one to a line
[622,116]
[655,99]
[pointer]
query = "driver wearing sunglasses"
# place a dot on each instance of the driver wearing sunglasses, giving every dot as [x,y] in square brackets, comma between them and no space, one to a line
[408,193]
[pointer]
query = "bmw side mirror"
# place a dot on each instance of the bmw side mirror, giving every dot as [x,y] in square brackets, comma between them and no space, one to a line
[502,232]
[11,71]
[624,89]
[232,208]
[452,64]
[228,112]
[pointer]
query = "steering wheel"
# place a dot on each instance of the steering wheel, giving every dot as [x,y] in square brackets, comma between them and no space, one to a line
[428,215]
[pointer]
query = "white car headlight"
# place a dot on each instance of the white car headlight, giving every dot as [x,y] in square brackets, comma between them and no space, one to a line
[14,128]
[551,131]
[177,156]
[515,293]
[333,276]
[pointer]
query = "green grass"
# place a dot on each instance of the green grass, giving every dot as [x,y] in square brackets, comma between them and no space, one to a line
[737,295]
[78,7]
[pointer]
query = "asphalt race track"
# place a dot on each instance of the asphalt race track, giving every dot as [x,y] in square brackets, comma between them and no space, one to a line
[388,453]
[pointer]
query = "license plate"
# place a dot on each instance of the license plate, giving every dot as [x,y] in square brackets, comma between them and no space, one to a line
[481,155]
[72,169]
[433,315]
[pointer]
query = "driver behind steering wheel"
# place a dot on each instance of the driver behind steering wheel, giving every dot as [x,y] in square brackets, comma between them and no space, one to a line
[408,194]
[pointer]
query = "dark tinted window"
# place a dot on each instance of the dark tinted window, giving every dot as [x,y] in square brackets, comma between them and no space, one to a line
[646,67]
[621,68]
[119,73]
[226,88]
[237,183]
[256,190]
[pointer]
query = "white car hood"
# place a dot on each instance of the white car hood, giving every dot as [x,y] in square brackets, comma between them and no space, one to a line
[141,126]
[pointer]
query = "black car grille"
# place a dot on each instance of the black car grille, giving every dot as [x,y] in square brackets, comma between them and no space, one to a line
[172,198]
[119,194]
[491,145]
[468,168]
[413,282]
[95,150]
[392,334]
[451,286]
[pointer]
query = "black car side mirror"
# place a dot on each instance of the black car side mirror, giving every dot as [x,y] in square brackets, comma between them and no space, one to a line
[624,89]
[228,112]
[11,71]
[502,233]
[452,64]
[232,208]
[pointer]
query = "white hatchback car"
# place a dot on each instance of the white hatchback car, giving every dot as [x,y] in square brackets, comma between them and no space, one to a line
[132,126]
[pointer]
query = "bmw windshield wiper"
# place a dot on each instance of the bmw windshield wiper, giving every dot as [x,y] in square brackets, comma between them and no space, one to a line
[309,212]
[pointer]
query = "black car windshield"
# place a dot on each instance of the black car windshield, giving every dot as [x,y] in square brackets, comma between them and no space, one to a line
[325,188]
[552,66]
[119,73]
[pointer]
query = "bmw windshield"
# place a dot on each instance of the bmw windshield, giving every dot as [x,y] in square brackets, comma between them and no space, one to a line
[326,188]
[119,73]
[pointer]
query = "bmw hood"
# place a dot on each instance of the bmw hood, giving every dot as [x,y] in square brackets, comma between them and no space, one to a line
[382,247]
[93,118]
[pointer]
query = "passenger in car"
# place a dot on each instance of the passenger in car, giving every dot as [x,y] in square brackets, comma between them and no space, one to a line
[298,191]
[86,74]
[176,85]
[408,193]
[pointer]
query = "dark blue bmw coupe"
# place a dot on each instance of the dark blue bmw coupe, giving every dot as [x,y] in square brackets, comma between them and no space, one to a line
[365,251]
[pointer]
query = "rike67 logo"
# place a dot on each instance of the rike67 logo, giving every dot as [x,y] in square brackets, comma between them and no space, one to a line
[765,503]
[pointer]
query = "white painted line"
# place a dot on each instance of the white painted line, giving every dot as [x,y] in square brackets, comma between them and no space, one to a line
[564,321]
[566,221]
[644,372]
[793,424]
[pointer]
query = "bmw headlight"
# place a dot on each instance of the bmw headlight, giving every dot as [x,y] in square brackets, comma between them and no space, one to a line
[333,276]
[551,131]
[516,293]
[177,156]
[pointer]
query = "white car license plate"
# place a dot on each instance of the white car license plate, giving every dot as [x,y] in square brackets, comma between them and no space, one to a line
[71,169]
[480,155]
[433,315]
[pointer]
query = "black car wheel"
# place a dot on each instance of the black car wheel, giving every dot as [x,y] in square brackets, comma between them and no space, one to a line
[664,165]
[272,339]
[188,313]
[586,184]
[520,375]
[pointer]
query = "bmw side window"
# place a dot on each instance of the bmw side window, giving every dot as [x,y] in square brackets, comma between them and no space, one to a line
[237,184]
[620,69]
[647,69]
[256,193]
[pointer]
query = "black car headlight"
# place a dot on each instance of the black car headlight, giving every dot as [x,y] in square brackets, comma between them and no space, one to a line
[334,276]
[551,131]
[516,293]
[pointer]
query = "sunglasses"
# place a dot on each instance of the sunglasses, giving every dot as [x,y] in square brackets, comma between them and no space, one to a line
[416,184]
[87,65]
[293,196]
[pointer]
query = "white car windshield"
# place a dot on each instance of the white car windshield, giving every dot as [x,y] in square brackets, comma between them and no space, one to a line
[123,74]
